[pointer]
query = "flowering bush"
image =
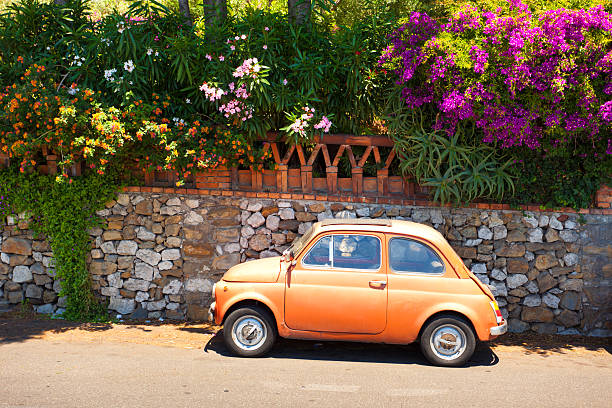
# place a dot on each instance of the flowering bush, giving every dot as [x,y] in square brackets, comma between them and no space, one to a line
[535,84]
[525,80]
[75,125]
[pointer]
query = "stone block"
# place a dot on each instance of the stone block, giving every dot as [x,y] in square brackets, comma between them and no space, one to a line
[17,246]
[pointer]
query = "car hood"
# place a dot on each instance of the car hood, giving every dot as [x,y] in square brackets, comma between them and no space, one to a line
[261,270]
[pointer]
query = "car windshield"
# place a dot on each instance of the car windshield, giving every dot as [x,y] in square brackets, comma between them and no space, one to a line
[299,244]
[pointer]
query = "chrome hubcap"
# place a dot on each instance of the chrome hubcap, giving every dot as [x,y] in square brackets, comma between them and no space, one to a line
[448,342]
[249,332]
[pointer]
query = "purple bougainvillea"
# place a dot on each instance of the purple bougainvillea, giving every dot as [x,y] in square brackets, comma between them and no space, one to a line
[521,78]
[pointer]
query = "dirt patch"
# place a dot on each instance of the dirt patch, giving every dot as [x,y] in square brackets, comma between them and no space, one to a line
[15,327]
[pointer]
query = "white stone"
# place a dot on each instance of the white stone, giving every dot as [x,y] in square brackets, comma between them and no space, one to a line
[149,256]
[283,204]
[267,254]
[159,305]
[109,291]
[363,212]
[141,296]
[530,256]
[325,215]
[173,288]
[121,305]
[45,309]
[473,242]
[570,259]
[22,273]
[171,254]
[136,284]
[531,221]
[551,300]
[174,201]
[532,300]
[420,215]
[193,218]
[498,274]
[569,224]
[485,233]
[286,213]
[244,243]
[103,213]
[532,287]
[543,221]
[483,278]
[108,247]
[191,203]
[170,210]
[500,232]
[555,223]
[256,220]
[244,204]
[254,206]
[535,235]
[232,247]
[173,242]
[198,285]
[247,231]
[172,306]
[165,265]
[114,280]
[436,217]
[304,227]
[495,221]
[127,248]
[479,268]
[272,222]
[5,258]
[345,214]
[500,288]
[145,235]
[568,235]
[143,271]
[516,280]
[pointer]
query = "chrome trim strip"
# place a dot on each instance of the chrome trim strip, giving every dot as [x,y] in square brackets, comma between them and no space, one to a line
[499,330]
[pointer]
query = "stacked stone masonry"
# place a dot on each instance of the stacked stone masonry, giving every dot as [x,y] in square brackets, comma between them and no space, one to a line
[160,254]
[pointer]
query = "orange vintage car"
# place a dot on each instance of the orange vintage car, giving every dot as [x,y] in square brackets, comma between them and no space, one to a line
[384,281]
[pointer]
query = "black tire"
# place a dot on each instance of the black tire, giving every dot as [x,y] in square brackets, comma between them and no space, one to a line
[448,341]
[253,320]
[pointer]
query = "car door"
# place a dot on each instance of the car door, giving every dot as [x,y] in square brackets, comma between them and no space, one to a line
[418,279]
[339,285]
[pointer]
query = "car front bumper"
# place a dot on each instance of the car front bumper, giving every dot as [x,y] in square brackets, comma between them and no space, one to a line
[499,330]
[211,312]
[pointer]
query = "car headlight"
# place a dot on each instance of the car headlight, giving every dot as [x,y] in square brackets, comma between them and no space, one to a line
[213,291]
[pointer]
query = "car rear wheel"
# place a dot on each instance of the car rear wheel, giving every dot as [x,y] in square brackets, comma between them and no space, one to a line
[448,341]
[249,332]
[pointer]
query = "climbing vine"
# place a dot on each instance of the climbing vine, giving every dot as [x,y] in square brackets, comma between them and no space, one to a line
[62,213]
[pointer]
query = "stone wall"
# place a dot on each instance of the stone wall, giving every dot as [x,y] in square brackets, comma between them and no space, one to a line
[161,253]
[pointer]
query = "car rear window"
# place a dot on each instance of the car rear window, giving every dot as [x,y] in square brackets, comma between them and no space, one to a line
[410,256]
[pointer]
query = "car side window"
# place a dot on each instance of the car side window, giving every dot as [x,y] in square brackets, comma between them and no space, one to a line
[410,256]
[345,251]
[319,253]
[354,251]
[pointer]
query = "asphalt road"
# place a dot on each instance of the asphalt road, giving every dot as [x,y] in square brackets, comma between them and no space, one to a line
[43,373]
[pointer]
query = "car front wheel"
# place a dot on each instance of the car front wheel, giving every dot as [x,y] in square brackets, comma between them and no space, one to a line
[249,332]
[448,341]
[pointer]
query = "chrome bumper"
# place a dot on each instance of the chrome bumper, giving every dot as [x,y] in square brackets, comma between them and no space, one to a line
[499,330]
[211,312]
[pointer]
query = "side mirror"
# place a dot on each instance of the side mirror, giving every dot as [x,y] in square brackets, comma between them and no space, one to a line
[288,255]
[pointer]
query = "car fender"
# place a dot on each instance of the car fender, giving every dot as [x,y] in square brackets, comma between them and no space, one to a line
[250,296]
[481,331]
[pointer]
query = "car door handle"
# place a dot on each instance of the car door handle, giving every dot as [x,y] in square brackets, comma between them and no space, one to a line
[376,284]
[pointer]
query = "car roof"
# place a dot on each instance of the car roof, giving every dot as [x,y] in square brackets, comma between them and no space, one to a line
[402,227]
[380,225]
